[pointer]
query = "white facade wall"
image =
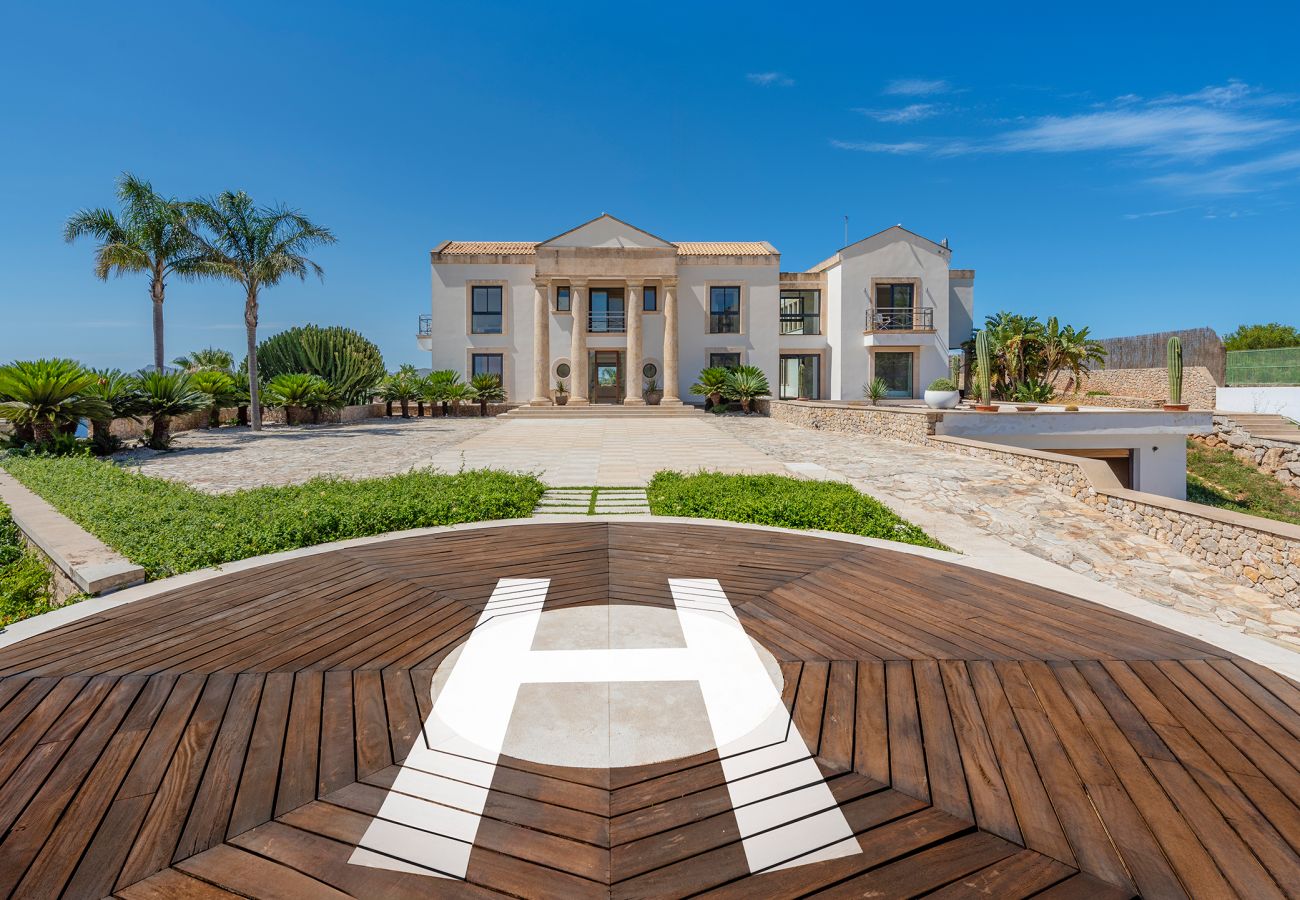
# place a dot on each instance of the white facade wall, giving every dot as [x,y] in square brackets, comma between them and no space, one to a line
[452,342]
[1279,400]
[759,319]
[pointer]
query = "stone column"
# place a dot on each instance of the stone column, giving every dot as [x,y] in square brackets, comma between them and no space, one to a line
[672,396]
[578,346]
[632,376]
[541,343]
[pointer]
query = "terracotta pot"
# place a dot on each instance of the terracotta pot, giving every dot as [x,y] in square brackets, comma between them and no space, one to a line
[1176,407]
[652,398]
[561,399]
[981,408]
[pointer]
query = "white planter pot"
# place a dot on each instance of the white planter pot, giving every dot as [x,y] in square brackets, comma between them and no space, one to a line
[942,399]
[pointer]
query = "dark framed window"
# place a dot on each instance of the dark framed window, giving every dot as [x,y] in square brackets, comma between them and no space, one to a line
[801,312]
[606,314]
[725,360]
[487,363]
[894,296]
[563,370]
[800,376]
[650,370]
[562,299]
[724,310]
[649,298]
[485,309]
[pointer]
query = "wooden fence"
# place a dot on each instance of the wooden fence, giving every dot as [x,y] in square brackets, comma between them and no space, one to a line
[1201,347]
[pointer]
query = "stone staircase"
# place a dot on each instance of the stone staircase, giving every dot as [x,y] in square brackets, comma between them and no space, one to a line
[604,411]
[1266,427]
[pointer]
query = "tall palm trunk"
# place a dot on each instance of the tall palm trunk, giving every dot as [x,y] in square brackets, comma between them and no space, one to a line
[250,327]
[157,290]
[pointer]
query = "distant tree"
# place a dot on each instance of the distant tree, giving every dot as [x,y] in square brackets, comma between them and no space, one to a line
[211,359]
[1262,337]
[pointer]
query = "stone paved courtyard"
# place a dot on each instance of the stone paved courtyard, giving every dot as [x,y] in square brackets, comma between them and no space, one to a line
[975,506]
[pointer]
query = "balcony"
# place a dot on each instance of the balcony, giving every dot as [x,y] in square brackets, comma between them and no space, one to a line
[900,318]
[426,326]
[606,322]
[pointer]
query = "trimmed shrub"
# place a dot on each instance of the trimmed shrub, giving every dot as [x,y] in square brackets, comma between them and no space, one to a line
[782,501]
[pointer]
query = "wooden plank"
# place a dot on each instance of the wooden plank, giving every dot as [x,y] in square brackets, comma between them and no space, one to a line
[249,875]
[374,751]
[906,744]
[1022,874]
[301,744]
[170,884]
[254,801]
[871,737]
[838,722]
[989,796]
[337,740]
[942,757]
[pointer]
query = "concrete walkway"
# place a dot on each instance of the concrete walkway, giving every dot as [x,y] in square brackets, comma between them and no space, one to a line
[1012,524]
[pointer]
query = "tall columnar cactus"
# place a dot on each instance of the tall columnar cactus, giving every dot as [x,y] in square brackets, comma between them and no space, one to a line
[1175,363]
[954,369]
[984,356]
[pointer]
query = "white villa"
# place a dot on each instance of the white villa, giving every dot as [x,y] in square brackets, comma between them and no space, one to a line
[609,309]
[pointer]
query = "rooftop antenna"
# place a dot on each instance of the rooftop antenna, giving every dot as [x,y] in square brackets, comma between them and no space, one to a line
[846,231]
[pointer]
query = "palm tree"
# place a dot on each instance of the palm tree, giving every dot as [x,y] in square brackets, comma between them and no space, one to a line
[164,395]
[487,389]
[437,387]
[151,235]
[256,246]
[210,359]
[402,387]
[122,399]
[48,395]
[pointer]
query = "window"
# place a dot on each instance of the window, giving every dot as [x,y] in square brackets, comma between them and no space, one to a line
[725,360]
[724,310]
[896,370]
[893,296]
[487,363]
[606,313]
[800,376]
[563,370]
[562,299]
[650,370]
[485,309]
[801,312]
[649,299]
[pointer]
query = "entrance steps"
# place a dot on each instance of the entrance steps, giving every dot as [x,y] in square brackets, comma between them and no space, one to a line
[1268,427]
[604,411]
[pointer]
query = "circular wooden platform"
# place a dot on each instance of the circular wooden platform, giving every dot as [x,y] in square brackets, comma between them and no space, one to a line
[276,732]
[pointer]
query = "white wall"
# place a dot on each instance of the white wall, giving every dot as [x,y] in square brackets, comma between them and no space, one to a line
[1281,400]
[961,306]
[760,320]
[452,340]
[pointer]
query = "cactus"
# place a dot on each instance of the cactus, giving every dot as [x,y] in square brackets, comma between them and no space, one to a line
[954,370]
[352,365]
[1175,363]
[984,356]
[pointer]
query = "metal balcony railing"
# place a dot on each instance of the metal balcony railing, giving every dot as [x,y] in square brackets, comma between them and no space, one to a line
[900,319]
[426,325]
[606,322]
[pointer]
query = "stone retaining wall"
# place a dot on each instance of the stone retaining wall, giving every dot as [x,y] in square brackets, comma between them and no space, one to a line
[1277,458]
[1256,552]
[1149,386]
[130,429]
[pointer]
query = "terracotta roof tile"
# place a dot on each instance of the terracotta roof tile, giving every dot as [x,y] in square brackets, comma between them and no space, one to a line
[684,248]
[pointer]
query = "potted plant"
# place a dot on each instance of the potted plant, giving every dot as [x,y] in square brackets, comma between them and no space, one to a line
[875,390]
[652,393]
[561,392]
[746,384]
[711,385]
[1174,355]
[942,394]
[984,368]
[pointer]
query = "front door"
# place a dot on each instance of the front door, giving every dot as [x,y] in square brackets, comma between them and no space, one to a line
[607,376]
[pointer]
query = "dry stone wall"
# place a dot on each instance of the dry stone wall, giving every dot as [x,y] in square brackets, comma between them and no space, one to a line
[1277,458]
[1144,388]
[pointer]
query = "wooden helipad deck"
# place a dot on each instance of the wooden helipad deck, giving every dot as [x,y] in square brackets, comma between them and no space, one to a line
[982,737]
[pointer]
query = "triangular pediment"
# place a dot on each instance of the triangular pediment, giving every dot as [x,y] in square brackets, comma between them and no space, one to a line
[607,231]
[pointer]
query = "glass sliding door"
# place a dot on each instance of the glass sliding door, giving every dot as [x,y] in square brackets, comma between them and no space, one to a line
[800,376]
[896,370]
[606,384]
[607,312]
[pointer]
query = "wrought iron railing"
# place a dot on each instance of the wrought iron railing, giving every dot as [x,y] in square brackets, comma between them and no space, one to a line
[900,319]
[606,322]
[426,325]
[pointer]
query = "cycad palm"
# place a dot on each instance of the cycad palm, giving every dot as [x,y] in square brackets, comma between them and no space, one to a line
[256,246]
[150,235]
[47,394]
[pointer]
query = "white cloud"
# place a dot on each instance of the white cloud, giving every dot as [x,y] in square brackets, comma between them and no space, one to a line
[913,112]
[1156,213]
[770,79]
[1237,178]
[877,147]
[917,87]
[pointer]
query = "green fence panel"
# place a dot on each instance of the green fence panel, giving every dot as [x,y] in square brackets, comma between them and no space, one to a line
[1247,367]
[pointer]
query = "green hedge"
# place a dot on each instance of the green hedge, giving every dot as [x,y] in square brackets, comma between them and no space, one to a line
[25,583]
[781,501]
[169,528]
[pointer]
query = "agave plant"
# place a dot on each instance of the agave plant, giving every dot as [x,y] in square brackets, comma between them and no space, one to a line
[164,395]
[875,390]
[122,397]
[487,389]
[746,384]
[295,392]
[48,395]
[711,384]
[221,390]
[402,387]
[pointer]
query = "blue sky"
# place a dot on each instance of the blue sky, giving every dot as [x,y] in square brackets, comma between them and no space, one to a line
[1131,168]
